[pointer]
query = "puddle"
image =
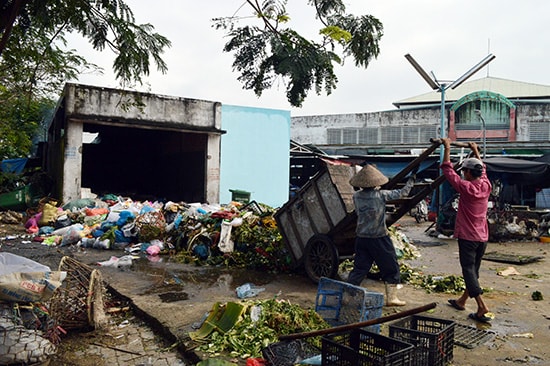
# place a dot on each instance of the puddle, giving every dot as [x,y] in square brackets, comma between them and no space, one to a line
[173,296]
[179,282]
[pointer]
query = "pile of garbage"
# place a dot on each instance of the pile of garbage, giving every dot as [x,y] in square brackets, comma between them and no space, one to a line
[236,234]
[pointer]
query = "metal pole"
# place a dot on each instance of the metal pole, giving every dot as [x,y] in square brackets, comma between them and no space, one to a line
[484,139]
[442,134]
[478,112]
[442,122]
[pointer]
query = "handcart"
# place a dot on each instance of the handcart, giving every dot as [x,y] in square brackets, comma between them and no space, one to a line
[318,224]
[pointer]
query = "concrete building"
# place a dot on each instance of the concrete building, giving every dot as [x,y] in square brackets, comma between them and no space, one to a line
[509,118]
[155,147]
[516,117]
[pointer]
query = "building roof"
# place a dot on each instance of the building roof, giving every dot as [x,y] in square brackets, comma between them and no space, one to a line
[511,89]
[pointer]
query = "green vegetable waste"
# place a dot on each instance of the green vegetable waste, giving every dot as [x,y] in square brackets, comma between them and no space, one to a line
[260,324]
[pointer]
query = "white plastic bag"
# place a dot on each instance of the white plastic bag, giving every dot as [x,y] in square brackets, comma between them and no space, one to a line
[226,245]
[10,263]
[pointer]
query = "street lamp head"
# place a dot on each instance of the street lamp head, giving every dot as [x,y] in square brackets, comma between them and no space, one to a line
[434,85]
[472,71]
[478,112]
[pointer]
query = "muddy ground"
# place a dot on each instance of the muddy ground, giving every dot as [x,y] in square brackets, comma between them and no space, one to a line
[519,334]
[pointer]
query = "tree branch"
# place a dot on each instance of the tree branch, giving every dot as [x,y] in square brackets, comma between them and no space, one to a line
[15,10]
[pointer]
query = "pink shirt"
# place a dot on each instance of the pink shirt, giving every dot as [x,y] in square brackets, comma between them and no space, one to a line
[471,219]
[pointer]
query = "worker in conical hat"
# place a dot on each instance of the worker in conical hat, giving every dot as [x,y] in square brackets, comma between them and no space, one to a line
[373,243]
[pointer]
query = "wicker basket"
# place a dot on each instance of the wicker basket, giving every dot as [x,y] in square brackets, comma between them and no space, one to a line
[78,303]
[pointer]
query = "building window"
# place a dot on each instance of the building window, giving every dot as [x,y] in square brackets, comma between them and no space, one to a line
[539,131]
[349,136]
[334,136]
[496,115]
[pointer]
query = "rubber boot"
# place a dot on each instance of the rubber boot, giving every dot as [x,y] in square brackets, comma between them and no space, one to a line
[391,296]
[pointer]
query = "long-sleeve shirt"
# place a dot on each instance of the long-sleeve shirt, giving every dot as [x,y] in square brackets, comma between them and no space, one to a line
[370,207]
[471,218]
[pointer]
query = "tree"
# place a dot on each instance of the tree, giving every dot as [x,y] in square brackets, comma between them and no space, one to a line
[106,23]
[271,52]
[35,63]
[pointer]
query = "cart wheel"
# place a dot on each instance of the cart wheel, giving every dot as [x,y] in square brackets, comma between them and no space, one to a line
[321,258]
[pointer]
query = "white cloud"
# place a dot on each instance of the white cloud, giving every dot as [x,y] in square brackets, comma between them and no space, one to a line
[447,37]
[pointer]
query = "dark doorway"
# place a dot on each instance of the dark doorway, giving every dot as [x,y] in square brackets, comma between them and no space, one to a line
[145,164]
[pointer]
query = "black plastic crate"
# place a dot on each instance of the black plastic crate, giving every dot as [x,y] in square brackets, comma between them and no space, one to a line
[289,353]
[432,338]
[341,303]
[361,347]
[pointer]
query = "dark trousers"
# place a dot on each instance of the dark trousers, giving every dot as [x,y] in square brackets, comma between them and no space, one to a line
[470,254]
[375,250]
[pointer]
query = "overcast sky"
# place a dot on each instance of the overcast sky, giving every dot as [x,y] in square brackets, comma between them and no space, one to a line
[447,37]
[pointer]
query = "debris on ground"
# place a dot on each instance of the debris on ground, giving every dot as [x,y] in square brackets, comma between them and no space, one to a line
[537,296]
[236,234]
[28,332]
[511,258]
[24,332]
[450,284]
[243,329]
[510,271]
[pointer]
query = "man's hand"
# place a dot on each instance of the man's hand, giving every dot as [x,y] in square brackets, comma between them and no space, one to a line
[447,152]
[446,142]
[475,150]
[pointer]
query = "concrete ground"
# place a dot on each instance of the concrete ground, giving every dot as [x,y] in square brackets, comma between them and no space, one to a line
[171,297]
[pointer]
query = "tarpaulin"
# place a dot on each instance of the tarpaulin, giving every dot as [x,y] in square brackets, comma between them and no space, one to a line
[14,165]
[518,171]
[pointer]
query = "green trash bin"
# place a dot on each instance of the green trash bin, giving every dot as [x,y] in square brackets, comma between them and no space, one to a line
[21,198]
[240,196]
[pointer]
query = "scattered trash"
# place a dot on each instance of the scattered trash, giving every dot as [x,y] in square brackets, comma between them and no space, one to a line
[523,335]
[537,296]
[18,344]
[248,290]
[230,327]
[226,245]
[24,280]
[511,258]
[10,217]
[124,261]
[510,271]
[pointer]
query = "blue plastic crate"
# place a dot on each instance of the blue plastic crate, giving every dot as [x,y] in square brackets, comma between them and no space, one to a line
[341,303]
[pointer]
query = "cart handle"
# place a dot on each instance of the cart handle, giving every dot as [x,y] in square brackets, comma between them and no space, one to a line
[454,143]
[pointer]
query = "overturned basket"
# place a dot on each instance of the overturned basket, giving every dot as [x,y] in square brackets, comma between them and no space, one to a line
[78,302]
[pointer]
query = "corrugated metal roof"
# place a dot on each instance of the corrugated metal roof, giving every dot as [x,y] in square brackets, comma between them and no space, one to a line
[509,88]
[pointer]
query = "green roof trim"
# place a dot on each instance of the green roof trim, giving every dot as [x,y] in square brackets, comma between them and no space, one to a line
[482,95]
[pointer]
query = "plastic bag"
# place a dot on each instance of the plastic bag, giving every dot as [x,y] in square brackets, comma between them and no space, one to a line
[10,263]
[248,290]
[226,245]
[73,235]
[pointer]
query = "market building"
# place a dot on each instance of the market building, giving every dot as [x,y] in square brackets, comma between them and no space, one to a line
[509,118]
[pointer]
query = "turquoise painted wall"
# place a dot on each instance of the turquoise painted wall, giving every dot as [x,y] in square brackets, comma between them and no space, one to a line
[255,154]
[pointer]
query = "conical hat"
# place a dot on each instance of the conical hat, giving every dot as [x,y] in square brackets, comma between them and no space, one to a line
[368,177]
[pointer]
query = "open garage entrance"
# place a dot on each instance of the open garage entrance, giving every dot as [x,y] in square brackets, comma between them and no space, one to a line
[145,164]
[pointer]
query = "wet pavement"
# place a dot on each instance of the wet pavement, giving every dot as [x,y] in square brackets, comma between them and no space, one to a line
[128,342]
[171,298]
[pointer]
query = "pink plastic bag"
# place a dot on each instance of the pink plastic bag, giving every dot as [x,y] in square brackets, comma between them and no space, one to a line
[153,250]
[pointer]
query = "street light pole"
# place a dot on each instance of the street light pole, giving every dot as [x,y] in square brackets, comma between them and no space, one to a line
[442,87]
[478,112]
